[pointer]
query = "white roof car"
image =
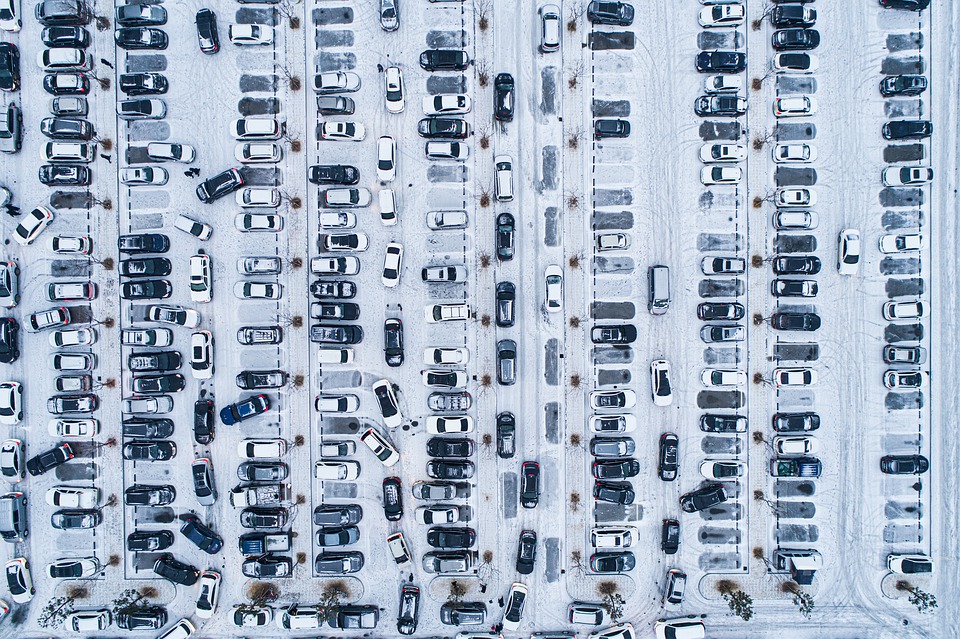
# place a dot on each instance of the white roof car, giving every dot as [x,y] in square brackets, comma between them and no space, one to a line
[73,428]
[721,377]
[613,536]
[343,403]
[399,549]
[346,470]
[388,206]
[549,28]
[807,445]
[161,151]
[351,242]
[144,176]
[381,448]
[612,424]
[446,313]
[447,104]
[612,241]
[156,404]
[446,424]
[336,82]
[73,497]
[334,355]
[794,107]
[13,465]
[393,87]
[337,220]
[721,175]
[32,225]
[177,315]
[722,15]
[386,159]
[349,131]
[62,59]
[438,514]
[259,265]
[259,223]
[345,265]
[513,610]
[250,34]
[345,197]
[392,265]
[907,175]
[613,399]
[71,244]
[503,177]
[788,219]
[196,228]
[710,153]
[181,630]
[73,568]
[258,152]
[258,290]
[905,243]
[201,278]
[660,382]
[794,153]
[158,337]
[209,594]
[261,448]
[620,631]
[796,196]
[447,150]
[73,337]
[849,248]
[447,220]
[454,273]
[722,83]
[201,355]
[256,129]
[684,628]
[913,309]
[9,284]
[84,621]
[586,614]
[553,276]
[794,376]
[433,356]
[258,196]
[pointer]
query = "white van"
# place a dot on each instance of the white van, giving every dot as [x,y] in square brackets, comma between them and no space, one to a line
[659,280]
[335,356]
[504,177]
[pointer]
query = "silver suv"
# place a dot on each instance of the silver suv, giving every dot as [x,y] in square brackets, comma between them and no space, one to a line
[13,517]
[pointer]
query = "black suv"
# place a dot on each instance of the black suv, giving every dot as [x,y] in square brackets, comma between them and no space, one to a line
[207,31]
[610,128]
[144,243]
[161,361]
[9,66]
[72,37]
[50,459]
[795,321]
[795,40]
[614,334]
[149,541]
[392,499]
[503,95]
[618,14]
[530,484]
[449,128]
[64,175]
[796,265]
[670,536]
[148,428]
[721,62]
[668,461]
[141,38]
[144,495]
[203,423]
[506,230]
[145,267]
[444,60]
[450,447]
[220,185]
[703,498]
[177,572]
[903,85]
[149,450]
[66,129]
[149,618]
[393,341]
[506,435]
[342,174]
[9,340]
[506,303]
[907,129]
[143,83]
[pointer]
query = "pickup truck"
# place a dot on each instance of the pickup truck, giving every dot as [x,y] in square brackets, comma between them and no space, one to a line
[268,495]
[261,543]
[797,467]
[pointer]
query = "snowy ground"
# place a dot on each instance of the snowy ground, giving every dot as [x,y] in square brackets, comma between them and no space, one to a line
[646,186]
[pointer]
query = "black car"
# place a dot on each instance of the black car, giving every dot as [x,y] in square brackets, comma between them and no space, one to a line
[907,129]
[444,60]
[200,535]
[137,14]
[336,516]
[703,498]
[157,384]
[795,321]
[795,422]
[48,460]
[64,175]
[335,310]
[257,518]
[76,519]
[220,185]
[610,128]
[207,33]
[506,230]
[73,37]
[904,464]
[161,450]
[336,105]
[441,469]
[795,39]
[800,62]
[267,567]
[506,435]
[503,97]
[141,38]
[342,174]
[612,562]
[463,613]
[903,85]
[720,105]
[177,572]
[160,361]
[203,423]
[618,14]
[450,128]
[731,311]
[336,289]
[53,86]
[907,5]
[506,302]
[146,290]
[530,484]
[143,84]
[330,537]
[721,62]
[723,423]
[148,618]
[614,492]
[144,495]
[258,380]
[451,538]
[148,428]
[793,15]
[68,12]
[614,334]
[392,499]
[526,552]
[668,459]
[409,613]
[349,334]
[616,468]
[794,288]
[149,540]
[796,265]
[9,340]
[145,267]
[9,66]
[393,341]
[262,471]
[506,362]
[670,536]
[144,243]
[450,447]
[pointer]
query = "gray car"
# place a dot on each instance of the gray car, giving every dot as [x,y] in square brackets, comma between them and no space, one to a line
[507,362]
[338,536]
[337,515]
[464,613]
[449,402]
[612,446]
[338,563]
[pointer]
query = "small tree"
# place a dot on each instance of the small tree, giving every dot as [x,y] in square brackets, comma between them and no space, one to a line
[611,600]
[483,15]
[574,501]
[758,23]
[301,558]
[296,262]
[293,80]
[486,380]
[484,260]
[574,321]
[576,74]
[758,319]
[113,561]
[483,137]
[484,198]
[105,143]
[457,591]
[483,73]
[574,260]
[486,441]
[740,602]
[112,501]
[103,82]
[287,9]
[298,441]
[576,563]
[573,201]
[576,440]
[924,601]
[127,599]
[106,203]
[574,139]
[757,261]
[260,593]
[55,612]
[802,600]
[485,320]
[575,381]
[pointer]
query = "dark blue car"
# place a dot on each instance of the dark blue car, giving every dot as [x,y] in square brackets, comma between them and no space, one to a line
[250,407]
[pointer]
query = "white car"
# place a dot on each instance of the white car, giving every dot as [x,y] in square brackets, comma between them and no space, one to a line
[261,448]
[914,309]
[503,177]
[794,107]
[201,278]
[193,227]
[613,400]
[73,428]
[906,243]
[620,631]
[337,220]
[157,337]
[660,382]
[722,469]
[161,151]
[722,83]
[549,28]
[684,628]
[258,197]
[70,152]
[349,131]
[795,197]
[336,82]
[513,610]
[32,225]
[9,284]
[795,376]
[73,567]
[711,153]
[722,15]
[612,242]
[710,175]
[905,564]
[345,403]
[73,497]
[795,220]
[256,129]
[393,88]
[447,220]
[388,206]
[19,580]
[612,424]
[553,276]
[251,34]
[345,197]
[447,104]
[796,445]
[335,356]
[258,152]
[258,223]
[380,447]
[439,514]
[346,470]
[156,404]
[449,274]
[258,290]
[183,629]
[848,251]
[907,175]
[209,594]
[176,315]
[614,536]
[73,337]
[144,176]
[449,424]
[352,242]
[71,244]
[794,153]
[346,265]
[386,159]
[436,313]
[11,403]
[387,403]
[10,19]
[201,355]
[13,465]
[392,265]
[722,377]
[447,151]
[85,621]
[452,356]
